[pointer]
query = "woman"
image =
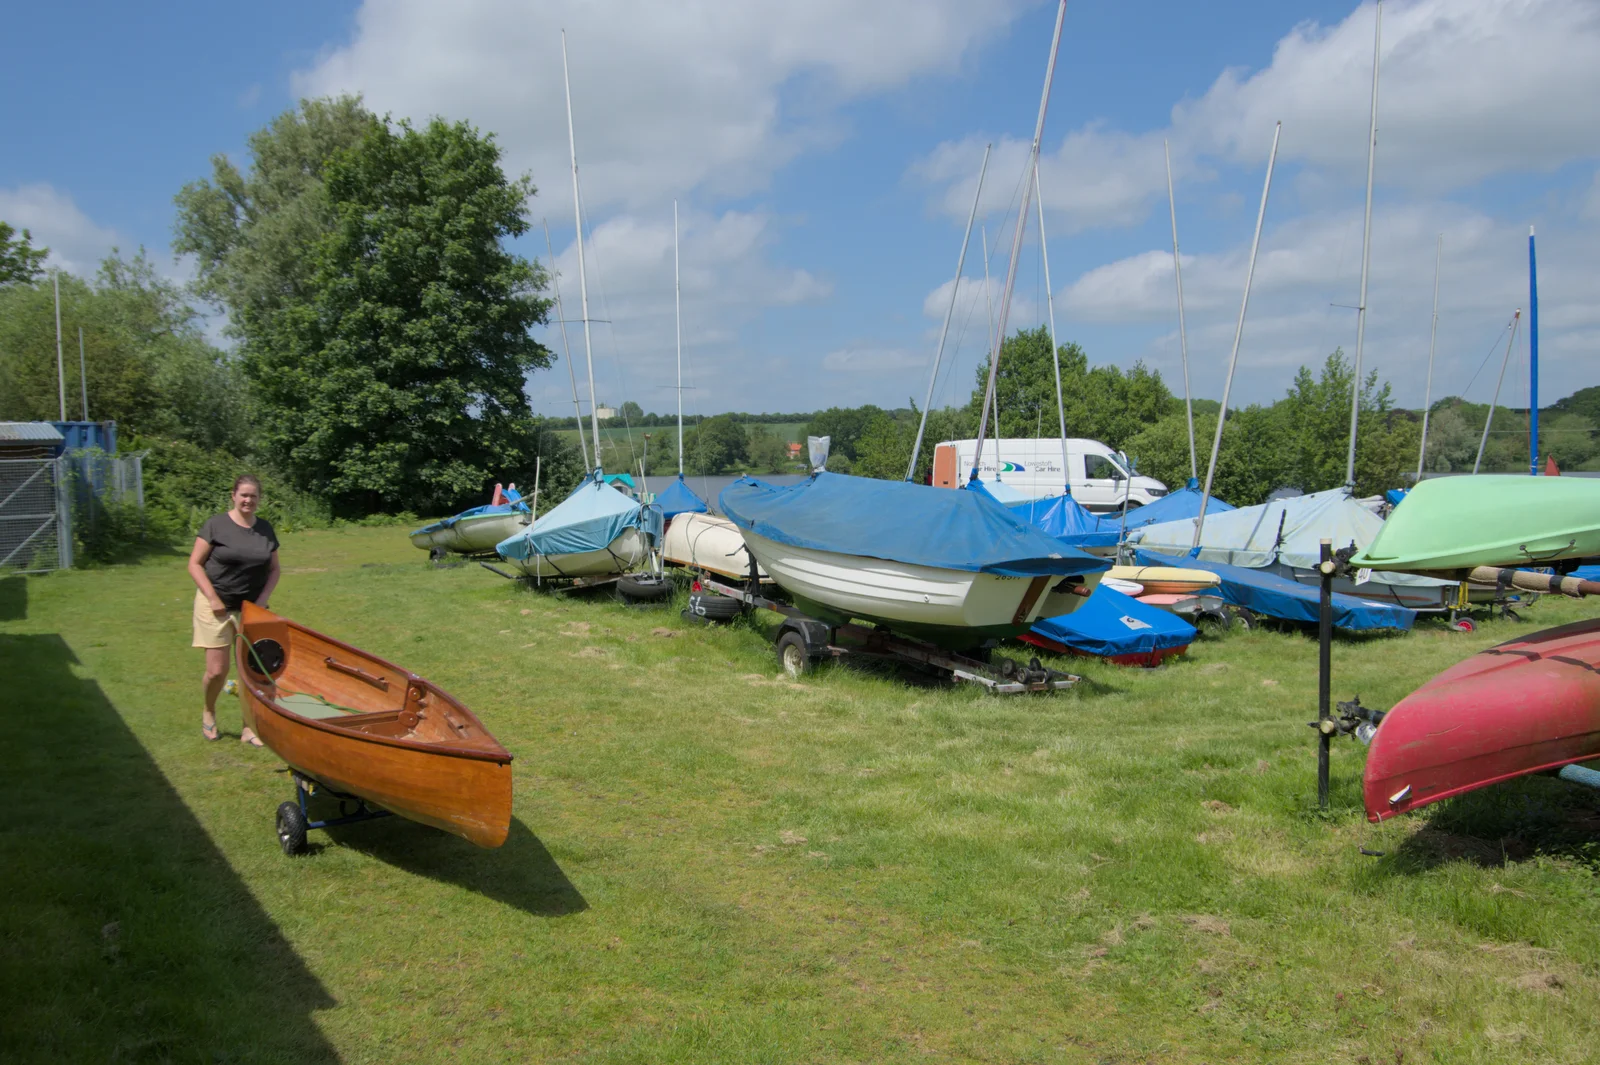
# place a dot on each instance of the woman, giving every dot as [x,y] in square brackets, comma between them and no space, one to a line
[235,558]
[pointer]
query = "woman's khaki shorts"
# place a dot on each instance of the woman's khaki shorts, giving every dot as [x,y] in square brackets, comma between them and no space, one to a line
[209,631]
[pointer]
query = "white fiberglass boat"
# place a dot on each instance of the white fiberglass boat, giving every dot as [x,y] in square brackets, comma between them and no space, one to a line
[474,531]
[707,542]
[597,531]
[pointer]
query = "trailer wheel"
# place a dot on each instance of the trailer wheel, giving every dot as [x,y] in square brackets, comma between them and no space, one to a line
[644,589]
[1246,619]
[793,655]
[1464,625]
[715,607]
[291,828]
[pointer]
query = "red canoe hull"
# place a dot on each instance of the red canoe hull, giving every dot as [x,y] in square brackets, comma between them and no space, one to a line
[1527,705]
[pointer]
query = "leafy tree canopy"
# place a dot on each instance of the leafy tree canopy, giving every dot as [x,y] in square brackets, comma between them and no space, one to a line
[20,261]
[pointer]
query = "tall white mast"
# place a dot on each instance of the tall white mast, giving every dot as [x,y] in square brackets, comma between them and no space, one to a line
[677,306]
[1055,348]
[1366,250]
[1183,333]
[1433,336]
[61,373]
[944,331]
[1511,341]
[1016,239]
[566,347]
[1238,332]
[583,282]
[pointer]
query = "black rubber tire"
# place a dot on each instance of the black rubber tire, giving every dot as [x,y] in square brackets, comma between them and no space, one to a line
[291,828]
[437,555]
[1217,620]
[715,607]
[1464,625]
[794,656]
[644,589]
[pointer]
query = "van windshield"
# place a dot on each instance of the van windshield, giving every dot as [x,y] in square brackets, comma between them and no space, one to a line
[1099,467]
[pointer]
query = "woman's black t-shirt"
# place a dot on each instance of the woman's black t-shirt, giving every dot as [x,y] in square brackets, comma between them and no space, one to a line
[240,558]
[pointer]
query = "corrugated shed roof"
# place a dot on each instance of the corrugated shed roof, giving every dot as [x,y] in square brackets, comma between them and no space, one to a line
[29,433]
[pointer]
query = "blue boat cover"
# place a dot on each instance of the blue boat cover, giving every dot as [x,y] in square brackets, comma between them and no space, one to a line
[912,523]
[679,498]
[1184,504]
[1586,573]
[1110,623]
[588,520]
[1394,495]
[1279,597]
[1062,517]
[475,512]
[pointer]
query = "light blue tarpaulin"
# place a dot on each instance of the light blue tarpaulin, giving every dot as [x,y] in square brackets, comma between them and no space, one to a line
[1182,505]
[912,523]
[1279,597]
[475,512]
[588,520]
[679,498]
[1112,624]
[1063,518]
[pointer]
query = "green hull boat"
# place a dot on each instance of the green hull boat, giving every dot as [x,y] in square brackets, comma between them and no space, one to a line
[1454,523]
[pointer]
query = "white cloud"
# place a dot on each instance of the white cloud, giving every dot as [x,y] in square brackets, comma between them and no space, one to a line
[76,242]
[667,97]
[870,360]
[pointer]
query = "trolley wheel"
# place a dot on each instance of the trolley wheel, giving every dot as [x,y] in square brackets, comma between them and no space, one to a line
[1464,625]
[291,828]
[793,655]
[643,589]
[437,554]
[1246,619]
[1215,620]
[1510,615]
[715,607]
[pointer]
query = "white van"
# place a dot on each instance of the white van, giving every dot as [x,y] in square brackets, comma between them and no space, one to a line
[1099,475]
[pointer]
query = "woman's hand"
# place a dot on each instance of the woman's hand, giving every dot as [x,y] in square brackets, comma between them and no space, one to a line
[219,609]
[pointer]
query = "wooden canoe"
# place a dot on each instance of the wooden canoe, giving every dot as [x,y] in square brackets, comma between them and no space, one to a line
[1528,705]
[366,727]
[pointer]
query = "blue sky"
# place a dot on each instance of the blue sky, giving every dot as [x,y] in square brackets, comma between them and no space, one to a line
[823,158]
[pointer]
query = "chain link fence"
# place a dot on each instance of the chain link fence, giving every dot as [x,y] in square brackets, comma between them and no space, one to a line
[35,515]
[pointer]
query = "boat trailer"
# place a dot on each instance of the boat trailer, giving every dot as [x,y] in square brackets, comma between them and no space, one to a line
[294,818]
[803,641]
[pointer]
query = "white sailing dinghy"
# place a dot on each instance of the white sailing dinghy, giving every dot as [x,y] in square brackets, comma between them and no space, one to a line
[474,531]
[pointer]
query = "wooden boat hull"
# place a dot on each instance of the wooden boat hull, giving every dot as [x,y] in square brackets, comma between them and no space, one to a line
[1527,705]
[953,608]
[707,542]
[471,536]
[630,551]
[405,744]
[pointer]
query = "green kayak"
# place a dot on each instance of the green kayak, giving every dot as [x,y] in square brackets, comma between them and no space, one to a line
[1450,523]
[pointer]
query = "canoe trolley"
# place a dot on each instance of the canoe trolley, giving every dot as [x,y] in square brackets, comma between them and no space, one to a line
[803,641]
[294,818]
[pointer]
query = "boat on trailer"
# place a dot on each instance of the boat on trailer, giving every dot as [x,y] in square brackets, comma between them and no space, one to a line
[1525,706]
[369,731]
[597,531]
[475,531]
[709,543]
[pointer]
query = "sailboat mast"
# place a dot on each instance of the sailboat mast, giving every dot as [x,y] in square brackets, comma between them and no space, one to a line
[1238,332]
[1055,347]
[944,331]
[1516,320]
[1366,254]
[677,308]
[1433,337]
[583,282]
[1533,359]
[566,347]
[1183,333]
[1016,239]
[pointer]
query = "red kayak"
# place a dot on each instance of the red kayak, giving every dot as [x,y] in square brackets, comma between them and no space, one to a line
[1527,705]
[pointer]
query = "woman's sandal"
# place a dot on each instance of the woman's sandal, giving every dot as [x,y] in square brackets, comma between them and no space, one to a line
[251,740]
[210,731]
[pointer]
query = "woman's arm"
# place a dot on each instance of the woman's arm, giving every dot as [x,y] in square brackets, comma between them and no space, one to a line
[197,570]
[272,581]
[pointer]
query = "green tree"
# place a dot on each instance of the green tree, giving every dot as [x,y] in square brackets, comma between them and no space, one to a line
[389,356]
[20,261]
[630,413]
[715,445]
[764,452]
[843,426]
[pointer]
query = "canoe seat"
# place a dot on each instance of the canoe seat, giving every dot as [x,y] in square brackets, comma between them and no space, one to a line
[313,706]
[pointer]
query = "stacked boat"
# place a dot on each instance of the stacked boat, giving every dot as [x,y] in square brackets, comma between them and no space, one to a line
[597,531]
[475,531]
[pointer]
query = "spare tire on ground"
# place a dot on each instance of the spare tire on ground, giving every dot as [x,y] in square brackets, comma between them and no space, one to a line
[644,588]
[707,607]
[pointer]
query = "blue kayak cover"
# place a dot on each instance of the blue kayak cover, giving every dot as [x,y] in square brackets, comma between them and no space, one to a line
[1184,504]
[916,524]
[1110,623]
[679,498]
[475,512]
[588,520]
[1279,597]
[1063,518]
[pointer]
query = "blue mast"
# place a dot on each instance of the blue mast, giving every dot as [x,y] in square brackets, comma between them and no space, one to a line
[1533,359]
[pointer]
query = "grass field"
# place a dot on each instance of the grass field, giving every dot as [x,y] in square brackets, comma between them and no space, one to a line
[711,863]
[622,448]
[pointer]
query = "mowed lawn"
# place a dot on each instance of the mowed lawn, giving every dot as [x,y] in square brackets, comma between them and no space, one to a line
[710,863]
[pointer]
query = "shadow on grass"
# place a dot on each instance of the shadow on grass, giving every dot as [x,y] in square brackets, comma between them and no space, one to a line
[13,598]
[520,873]
[1536,816]
[125,934]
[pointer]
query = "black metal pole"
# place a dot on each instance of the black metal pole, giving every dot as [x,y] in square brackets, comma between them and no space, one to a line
[1325,725]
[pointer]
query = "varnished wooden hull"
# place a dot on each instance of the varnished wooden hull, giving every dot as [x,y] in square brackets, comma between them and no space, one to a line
[409,747]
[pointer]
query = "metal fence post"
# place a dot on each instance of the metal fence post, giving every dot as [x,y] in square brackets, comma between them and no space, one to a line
[63,515]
